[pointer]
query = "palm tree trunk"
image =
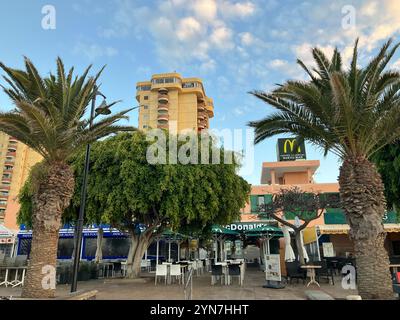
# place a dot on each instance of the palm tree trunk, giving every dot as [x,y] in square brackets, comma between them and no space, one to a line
[52,195]
[363,200]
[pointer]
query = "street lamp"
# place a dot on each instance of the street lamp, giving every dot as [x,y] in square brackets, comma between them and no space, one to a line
[103,109]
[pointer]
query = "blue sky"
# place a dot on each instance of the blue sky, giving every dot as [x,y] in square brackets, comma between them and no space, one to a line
[234,46]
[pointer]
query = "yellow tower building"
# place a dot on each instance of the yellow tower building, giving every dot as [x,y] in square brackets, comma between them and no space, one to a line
[171,102]
[16,159]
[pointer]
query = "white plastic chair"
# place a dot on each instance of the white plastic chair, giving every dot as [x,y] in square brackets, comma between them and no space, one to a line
[161,271]
[175,271]
[199,266]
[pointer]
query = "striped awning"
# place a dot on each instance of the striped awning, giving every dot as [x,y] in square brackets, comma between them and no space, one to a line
[344,228]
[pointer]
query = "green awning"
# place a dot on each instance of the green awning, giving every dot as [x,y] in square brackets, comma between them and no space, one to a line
[263,231]
[221,230]
[169,234]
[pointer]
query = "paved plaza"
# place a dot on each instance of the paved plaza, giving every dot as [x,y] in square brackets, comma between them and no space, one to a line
[144,289]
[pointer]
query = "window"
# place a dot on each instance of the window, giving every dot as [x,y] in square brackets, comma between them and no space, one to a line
[145,126]
[145,107]
[145,117]
[6,175]
[143,88]
[396,247]
[169,80]
[8,167]
[2,211]
[4,193]
[145,97]
[3,202]
[261,200]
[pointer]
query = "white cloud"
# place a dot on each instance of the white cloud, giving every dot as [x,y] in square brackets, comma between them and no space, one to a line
[221,37]
[278,63]
[246,38]
[94,51]
[369,9]
[205,9]
[188,28]
[236,10]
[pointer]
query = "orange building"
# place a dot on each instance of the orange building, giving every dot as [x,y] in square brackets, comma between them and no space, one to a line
[331,227]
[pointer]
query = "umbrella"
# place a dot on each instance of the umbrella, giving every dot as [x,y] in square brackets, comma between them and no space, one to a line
[289,253]
[305,254]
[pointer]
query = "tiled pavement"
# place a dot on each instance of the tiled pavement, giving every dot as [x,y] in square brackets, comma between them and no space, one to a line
[144,288]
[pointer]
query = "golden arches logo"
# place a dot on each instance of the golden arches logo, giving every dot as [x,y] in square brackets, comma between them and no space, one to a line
[291,143]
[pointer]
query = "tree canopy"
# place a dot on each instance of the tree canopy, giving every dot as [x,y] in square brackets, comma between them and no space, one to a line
[388,163]
[127,192]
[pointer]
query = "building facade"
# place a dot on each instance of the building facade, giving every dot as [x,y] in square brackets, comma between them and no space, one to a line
[171,102]
[330,230]
[16,160]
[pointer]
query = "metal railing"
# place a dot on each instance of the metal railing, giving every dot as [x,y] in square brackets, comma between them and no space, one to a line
[188,292]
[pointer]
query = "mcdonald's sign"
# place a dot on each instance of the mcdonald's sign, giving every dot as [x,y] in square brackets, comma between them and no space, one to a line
[291,149]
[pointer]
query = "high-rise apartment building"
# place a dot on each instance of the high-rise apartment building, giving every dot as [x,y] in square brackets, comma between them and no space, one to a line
[171,102]
[16,159]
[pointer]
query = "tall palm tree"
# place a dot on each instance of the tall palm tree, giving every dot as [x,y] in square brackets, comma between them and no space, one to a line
[49,117]
[353,113]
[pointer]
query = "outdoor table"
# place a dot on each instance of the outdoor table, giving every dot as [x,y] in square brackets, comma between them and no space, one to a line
[108,266]
[311,273]
[16,282]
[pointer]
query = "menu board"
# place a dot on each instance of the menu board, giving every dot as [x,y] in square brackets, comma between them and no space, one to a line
[327,249]
[273,267]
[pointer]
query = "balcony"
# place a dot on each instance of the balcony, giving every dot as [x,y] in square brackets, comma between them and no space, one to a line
[162,117]
[3,197]
[162,125]
[163,99]
[200,116]
[3,205]
[201,107]
[6,179]
[11,154]
[163,91]
[5,187]
[163,107]
[12,148]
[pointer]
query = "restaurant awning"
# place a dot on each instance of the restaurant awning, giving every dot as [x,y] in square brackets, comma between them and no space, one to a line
[344,228]
[221,230]
[265,231]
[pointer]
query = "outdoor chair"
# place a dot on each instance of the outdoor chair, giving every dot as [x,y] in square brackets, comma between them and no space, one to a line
[216,271]
[234,271]
[294,271]
[161,271]
[200,266]
[175,271]
[325,272]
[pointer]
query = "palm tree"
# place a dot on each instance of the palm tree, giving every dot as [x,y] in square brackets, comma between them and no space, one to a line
[48,117]
[353,113]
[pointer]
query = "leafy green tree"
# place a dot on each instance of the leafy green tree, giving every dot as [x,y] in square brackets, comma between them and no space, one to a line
[352,112]
[49,118]
[145,199]
[388,162]
[293,202]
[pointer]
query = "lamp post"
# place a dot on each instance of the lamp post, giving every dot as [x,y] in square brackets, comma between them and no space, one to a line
[103,109]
